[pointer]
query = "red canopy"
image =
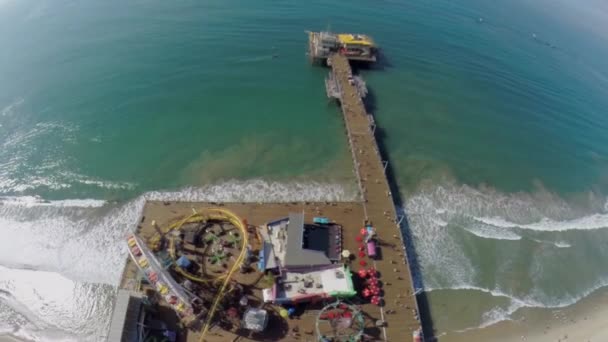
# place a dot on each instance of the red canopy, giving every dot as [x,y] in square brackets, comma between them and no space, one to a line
[362,273]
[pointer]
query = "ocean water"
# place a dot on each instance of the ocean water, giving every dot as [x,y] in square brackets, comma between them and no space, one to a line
[493,116]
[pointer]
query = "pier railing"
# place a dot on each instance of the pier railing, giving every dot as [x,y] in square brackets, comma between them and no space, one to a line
[369,167]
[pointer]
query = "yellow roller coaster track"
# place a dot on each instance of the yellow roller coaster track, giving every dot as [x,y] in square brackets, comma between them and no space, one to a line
[237,222]
[220,215]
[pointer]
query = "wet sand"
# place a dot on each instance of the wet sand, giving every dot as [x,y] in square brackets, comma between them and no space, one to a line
[581,322]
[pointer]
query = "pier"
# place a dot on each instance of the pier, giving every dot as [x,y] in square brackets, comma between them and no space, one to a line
[395,318]
[377,199]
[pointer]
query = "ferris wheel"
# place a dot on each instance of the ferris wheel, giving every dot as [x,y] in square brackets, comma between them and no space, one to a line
[340,322]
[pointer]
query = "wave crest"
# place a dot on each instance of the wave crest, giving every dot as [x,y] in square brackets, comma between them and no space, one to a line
[69,236]
[512,245]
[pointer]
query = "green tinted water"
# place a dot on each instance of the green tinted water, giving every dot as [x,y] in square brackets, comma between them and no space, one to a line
[493,116]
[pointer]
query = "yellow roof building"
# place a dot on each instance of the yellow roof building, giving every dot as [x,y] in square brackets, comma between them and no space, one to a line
[355,39]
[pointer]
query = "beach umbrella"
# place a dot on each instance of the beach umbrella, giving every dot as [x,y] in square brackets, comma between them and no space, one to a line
[362,263]
[362,273]
[346,254]
[366,292]
[363,231]
[372,272]
[359,238]
[375,300]
[361,254]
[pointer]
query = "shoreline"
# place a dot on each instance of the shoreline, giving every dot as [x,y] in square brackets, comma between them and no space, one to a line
[582,321]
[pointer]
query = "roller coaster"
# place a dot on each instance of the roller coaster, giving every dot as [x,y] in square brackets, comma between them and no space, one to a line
[211,214]
[217,215]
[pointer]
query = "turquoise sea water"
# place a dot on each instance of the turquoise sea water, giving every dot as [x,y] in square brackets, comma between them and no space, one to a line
[493,117]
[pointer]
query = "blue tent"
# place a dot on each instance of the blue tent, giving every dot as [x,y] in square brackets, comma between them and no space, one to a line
[320,220]
[261,261]
[183,262]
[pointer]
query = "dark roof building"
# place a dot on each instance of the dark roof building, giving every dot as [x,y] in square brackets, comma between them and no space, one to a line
[296,254]
[291,244]
[128,312]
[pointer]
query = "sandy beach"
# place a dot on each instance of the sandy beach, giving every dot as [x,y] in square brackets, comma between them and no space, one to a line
[581,322]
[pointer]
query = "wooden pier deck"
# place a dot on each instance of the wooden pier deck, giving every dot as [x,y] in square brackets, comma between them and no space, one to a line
[378,204]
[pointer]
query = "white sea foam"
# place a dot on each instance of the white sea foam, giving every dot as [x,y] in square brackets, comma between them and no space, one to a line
[594,221]
[104,184]
[517,218]
[260,191]
[32,182]
[71,235]
[34,201]
[485,232]
[558,244]
[17,156]
[487,214]
[562,244]
[45,306]
[498,314]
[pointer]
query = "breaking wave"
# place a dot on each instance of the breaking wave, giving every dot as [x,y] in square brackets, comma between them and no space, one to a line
[45,306]
[594,221]
[562,244]
[499,313]
[489,233]
[69,236]
[480,239]
[33,201]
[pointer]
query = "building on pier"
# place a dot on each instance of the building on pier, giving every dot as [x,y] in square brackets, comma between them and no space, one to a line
[292,245]
[356,47]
